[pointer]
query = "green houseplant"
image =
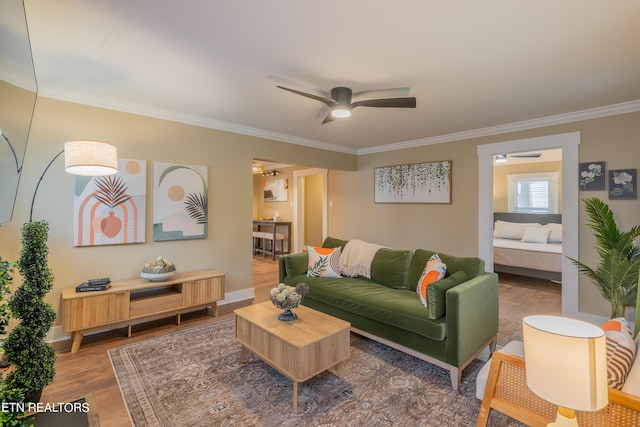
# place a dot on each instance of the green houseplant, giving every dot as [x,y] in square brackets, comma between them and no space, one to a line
[25,347]
[6,268]
[616,274]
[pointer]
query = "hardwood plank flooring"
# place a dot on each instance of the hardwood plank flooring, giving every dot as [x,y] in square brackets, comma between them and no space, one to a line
[89,370]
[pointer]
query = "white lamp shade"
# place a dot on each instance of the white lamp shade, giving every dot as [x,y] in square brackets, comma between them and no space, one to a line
[90,158]
[566,362]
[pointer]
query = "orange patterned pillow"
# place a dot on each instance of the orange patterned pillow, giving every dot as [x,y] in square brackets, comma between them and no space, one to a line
[621,351]
[324,262]
[433,271]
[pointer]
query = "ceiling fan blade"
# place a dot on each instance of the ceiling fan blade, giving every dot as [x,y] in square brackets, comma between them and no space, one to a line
[300,86]
[387,103]
[526,155]
[381,93]
[329,118]
[329,102]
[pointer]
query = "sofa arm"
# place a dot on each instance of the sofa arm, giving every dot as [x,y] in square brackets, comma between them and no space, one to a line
[472,316]
[291,265]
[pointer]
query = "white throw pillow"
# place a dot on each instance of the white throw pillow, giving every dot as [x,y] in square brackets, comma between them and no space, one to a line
[556,232]
[536,234]
[511,230]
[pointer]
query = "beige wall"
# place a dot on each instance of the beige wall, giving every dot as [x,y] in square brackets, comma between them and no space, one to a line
[454,228]
[228,157]
[450,228]
[500,186]
[313,210]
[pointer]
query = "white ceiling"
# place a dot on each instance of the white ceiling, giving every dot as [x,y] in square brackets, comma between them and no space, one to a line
[498,64]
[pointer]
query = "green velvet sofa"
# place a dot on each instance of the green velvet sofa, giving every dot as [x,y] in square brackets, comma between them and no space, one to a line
[460,321]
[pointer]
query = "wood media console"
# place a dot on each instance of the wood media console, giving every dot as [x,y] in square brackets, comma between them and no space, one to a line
[139,300]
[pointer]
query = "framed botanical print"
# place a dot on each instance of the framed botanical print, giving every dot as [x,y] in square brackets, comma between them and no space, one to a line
[623,184]
[428,182]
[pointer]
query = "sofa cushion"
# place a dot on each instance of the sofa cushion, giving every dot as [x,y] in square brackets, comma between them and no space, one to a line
[470,265]
[323,262]
[296,264]
[437,293]
[397,307]
[390,267]
[332,242]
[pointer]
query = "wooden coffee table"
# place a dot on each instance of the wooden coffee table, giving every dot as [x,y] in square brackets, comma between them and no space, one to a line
[299,349]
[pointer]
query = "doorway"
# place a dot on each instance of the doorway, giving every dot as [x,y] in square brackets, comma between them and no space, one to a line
[310,210]
[568,143]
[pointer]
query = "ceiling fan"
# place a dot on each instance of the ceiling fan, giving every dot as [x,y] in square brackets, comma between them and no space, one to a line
[501,158]
[340,103]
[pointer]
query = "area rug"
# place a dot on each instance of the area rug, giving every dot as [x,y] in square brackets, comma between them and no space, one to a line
[193,378]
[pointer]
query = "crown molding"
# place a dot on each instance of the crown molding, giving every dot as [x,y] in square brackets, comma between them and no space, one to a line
[174,116]
[593,113]
[159,113]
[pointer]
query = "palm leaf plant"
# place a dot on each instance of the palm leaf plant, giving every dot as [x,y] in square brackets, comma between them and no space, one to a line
[196,207]
[113,191]
[616,274]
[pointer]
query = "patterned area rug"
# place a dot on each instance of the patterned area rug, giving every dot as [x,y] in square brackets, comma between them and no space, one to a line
[193,378]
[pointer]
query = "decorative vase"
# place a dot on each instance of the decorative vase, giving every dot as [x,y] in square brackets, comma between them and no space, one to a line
[287,315]
[287,298]
[111,225]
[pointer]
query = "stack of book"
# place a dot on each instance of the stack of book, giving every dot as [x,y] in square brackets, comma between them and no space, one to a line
[90,285]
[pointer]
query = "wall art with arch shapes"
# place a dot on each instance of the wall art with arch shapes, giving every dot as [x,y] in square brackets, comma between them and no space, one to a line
[110,210]
[180,202]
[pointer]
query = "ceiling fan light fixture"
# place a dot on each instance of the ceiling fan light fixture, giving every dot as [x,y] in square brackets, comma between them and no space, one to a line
[340,112]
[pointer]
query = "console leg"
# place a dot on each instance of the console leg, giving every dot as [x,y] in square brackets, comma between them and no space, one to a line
[76,341]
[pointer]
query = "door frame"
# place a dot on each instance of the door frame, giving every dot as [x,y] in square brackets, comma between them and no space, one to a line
[568,142]
[298,205]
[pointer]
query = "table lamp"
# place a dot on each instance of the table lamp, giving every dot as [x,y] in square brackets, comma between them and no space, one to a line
[566,364]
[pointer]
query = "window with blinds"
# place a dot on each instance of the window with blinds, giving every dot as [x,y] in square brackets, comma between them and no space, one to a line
[533,192]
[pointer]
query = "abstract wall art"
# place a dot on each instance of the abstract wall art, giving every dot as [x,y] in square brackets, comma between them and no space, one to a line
[180,202]
[110,209]
[276,190]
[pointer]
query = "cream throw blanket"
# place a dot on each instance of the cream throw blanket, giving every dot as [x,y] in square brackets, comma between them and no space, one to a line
[356,258]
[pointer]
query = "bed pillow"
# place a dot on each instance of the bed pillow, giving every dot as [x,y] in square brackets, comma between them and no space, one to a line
[621,351]
[433,271]
[536,234]
[511,230]
[324,262]
[556,232]
[437,293]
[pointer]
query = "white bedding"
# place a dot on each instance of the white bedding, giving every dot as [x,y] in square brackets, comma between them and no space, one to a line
[536,256]
[554,248]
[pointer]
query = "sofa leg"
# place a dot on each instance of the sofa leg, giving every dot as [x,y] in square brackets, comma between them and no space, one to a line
[456,376]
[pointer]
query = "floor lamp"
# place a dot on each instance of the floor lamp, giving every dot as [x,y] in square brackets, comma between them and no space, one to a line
[566,364]
[84,157]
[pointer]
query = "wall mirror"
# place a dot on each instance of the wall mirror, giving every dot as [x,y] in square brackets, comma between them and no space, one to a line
[18,92]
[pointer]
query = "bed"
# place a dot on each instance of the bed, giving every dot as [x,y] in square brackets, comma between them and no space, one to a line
[528,245]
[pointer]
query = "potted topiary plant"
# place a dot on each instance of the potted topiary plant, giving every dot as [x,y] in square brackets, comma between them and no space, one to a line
[25,347]
[6,268]
[616,275]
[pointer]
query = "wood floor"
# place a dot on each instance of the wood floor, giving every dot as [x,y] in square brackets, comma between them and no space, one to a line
[89,370]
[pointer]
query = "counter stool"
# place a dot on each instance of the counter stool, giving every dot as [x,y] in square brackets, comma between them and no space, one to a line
[270,245]
[258,242]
